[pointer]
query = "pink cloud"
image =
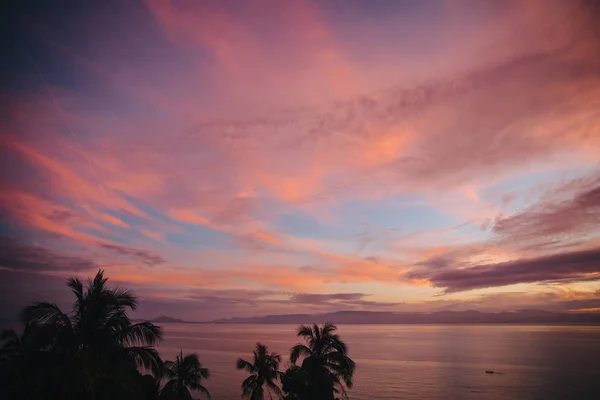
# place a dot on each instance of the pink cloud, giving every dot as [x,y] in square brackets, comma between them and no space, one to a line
[302,59]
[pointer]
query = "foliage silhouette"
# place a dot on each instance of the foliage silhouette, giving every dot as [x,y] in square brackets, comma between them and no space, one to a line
[97,352]
[184,374]
[93,352]
[326,369]
[96,345]
[264,370]
[295,384]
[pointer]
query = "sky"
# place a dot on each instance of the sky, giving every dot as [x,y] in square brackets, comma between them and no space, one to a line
[244,158]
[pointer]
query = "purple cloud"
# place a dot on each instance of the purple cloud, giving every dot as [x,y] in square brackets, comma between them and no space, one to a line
[145,256]
[572,266]
[556,221]
[24,257]
[351,300]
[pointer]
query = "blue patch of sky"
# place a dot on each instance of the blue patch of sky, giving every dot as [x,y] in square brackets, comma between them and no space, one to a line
[300,224]
[195,237]
[191,236]
[524,183]
[150,211]
[403,213]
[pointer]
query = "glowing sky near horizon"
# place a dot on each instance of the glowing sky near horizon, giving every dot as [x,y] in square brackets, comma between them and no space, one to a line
[238,158]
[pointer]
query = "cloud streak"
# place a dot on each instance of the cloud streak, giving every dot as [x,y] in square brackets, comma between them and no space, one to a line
[556,219]
[27,258]
[144,256]
[568,266]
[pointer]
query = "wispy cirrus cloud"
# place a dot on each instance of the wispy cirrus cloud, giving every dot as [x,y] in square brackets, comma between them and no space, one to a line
[567,213]
[147,257]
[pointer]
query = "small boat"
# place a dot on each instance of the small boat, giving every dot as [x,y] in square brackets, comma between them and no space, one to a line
[489,372]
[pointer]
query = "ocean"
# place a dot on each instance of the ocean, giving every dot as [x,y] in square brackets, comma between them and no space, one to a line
[418,361]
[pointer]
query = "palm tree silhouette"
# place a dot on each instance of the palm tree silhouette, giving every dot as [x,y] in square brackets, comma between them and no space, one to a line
[184,374]
[149,387]
[11,361]
[264,370]
[11,348]
[28,367]
[96,345]
[326,364]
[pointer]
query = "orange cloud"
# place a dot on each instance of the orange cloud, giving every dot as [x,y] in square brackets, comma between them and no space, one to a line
[158,236]
[387,146]
[86,191]
[38,213]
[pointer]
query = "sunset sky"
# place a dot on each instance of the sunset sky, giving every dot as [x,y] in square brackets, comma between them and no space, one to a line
[241,158]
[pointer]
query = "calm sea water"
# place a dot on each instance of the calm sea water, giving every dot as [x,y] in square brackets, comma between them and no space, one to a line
[420,361]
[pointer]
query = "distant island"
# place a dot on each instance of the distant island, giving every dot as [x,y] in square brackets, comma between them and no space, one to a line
[163,319]
[384,317]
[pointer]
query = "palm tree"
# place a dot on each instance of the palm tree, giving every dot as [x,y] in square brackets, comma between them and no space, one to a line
[184,374]
[149,387]
[98,345]
[29,368]
[264,371]
[10,360]
[12,346]
[326,364]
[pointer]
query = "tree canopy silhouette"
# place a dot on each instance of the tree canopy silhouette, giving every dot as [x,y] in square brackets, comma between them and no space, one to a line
[95,351]
[97,344]
[264,372]
[184,374]
[326,369]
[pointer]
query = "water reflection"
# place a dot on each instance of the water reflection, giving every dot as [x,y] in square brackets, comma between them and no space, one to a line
[422,361]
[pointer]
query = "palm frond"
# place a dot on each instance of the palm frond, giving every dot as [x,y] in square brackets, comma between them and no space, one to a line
[43,312]
[341,364]
[169,369]
[299,350]
[304,331]
[335,342]
[124,298]
[199,388]
[328,328]
[117,321]
[245,365]
[146,357]
[275,357]
[317,331]
[343,389]
[249,384]
[142,333]
[96,286]
[76,287]
[274,388]
[251,387]
[190,362]
[204,373]
[261,349]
